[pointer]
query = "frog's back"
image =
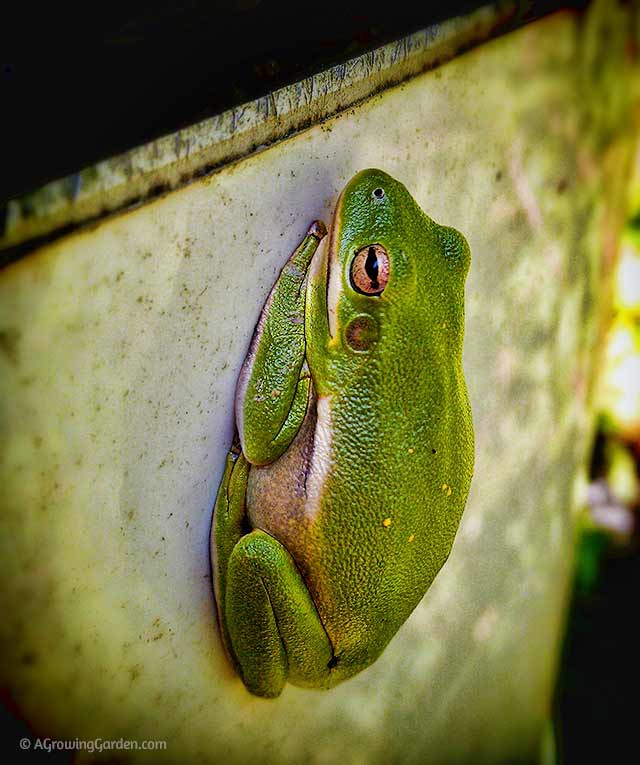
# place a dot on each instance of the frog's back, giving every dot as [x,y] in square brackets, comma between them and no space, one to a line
[391,508]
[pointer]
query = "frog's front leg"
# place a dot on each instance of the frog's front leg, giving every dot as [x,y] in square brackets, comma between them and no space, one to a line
[273,386]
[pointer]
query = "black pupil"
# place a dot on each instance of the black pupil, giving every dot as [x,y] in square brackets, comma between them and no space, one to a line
[379,193]
[371,267]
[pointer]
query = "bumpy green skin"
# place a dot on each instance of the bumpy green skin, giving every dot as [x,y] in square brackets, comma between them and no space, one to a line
[356,448]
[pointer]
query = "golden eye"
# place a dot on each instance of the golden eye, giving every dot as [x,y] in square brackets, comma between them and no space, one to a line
[370,270]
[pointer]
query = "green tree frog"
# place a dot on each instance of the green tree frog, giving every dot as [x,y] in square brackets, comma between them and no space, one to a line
[341,502]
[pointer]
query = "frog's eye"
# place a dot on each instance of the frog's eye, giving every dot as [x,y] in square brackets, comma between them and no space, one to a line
[370,270]
[378,193]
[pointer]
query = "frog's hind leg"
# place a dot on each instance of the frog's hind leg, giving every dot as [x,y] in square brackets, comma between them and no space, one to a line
[273,623]
[226,530]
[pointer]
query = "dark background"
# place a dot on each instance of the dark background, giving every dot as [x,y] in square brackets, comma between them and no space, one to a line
[128,73]
[597,705]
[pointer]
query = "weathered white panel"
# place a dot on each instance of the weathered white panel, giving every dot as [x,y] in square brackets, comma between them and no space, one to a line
[121,345]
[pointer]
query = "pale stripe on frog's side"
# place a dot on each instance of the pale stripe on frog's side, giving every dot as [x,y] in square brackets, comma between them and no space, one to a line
[322,458]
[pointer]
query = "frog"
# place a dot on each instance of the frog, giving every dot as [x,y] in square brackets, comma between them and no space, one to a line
[353,457]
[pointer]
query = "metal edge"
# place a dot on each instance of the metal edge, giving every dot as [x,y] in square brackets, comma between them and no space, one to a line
[167,163]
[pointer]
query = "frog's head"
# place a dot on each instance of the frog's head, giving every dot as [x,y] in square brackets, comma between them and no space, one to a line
[395,276]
